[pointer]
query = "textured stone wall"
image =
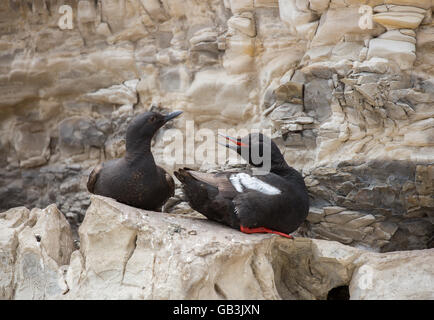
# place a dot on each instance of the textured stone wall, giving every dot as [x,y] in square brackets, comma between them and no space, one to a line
[351,108]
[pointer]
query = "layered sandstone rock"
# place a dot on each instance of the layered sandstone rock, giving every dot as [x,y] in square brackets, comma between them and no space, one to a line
[35,248]
[127,253]
[349,107]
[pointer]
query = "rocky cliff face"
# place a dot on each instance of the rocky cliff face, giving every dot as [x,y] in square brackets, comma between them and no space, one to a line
[349,103]
[127,253]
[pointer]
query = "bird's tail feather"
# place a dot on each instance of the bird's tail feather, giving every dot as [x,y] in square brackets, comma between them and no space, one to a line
[182,174]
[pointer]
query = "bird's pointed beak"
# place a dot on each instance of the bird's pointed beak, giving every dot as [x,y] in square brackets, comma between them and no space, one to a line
[229,146]
[233,140]
[172,115]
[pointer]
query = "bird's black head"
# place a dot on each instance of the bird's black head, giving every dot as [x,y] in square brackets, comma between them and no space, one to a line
[258,150]
[143,127]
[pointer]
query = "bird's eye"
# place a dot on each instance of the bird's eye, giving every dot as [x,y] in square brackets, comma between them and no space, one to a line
[152,119]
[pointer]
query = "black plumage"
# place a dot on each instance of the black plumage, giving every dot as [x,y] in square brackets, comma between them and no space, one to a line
[135,179]
[275,202]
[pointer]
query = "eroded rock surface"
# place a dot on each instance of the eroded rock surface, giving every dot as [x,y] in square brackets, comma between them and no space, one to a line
[350,107]
[128,253]
[35,249]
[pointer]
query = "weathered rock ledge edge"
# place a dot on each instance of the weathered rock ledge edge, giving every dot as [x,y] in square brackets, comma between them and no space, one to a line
[127,253]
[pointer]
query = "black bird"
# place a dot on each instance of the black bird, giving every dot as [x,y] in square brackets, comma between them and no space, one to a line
[135,179]
[275,202]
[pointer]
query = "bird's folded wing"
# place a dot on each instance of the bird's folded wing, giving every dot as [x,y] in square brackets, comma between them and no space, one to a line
[93,177]
[219,181]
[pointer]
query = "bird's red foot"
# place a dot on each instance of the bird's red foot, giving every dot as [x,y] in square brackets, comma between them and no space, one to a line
[264,230]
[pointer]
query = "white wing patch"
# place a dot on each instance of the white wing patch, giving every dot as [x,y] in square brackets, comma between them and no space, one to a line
[235,180]
[241,180]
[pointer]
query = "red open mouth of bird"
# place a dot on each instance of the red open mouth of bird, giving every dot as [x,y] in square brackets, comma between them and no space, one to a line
[237,141]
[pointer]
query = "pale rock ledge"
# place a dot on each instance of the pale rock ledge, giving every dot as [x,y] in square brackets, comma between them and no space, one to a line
[127,253]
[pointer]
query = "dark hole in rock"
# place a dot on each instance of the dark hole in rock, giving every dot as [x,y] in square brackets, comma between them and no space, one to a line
[339,293]
[77,244]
